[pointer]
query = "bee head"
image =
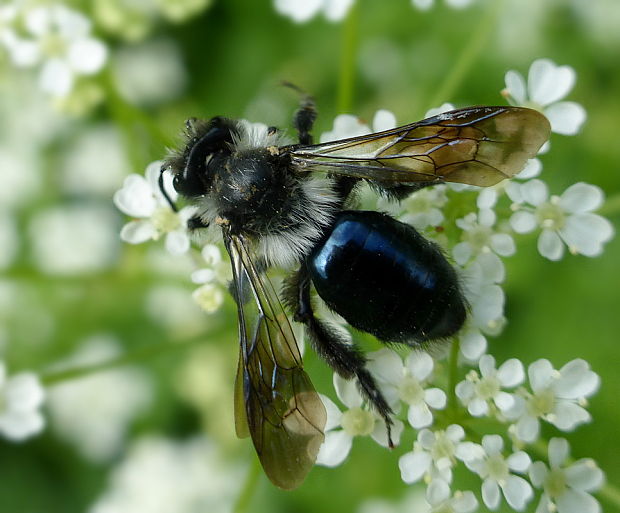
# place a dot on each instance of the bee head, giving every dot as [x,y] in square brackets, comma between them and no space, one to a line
[204,141]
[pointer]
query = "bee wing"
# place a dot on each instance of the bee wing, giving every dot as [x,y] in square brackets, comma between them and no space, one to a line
[275,401]
[476,146]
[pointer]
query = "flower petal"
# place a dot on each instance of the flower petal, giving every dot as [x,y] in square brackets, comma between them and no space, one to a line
[523,221]
[586,233]
[548,83]
[87,56]
[518,492]
[574,501]
[435,398]
[511,373]
[567,415]
[334,415]
[566,118]
[383,120]
[136,232]
[584,475]
[581,197]
[56,78]
[414,465]
[385,365]
[492,444]
[550,245]
[540,374]
[473,345]
[535,192]
[519,461]
[419,416]
[576,380]
[558,451]
[420,364]
[490,493]
[515,84]
[503,244]
[528,428]
[347,392]
[335,448]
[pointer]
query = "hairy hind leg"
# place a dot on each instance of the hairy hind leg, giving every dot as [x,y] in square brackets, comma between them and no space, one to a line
[345,359]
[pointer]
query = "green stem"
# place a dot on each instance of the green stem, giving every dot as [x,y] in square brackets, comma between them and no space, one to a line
[470,53]
[346,79]
[249,487]
[130,357]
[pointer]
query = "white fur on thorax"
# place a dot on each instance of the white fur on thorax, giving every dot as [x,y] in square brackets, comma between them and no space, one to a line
[314,212]
[256,135]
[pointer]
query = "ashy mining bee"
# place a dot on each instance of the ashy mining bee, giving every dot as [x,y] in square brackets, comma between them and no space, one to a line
[279,204]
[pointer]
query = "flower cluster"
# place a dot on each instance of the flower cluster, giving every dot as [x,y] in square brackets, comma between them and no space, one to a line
[55,38]
[445,412]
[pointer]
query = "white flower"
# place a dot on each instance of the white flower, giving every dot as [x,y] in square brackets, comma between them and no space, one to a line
[420,209]
[435,453]
[440,500]
[408,383]
[83,169]
[74,239]
[303,10]
[347,125]
[149,73]
[357,420]
[479,237]
[444,107]
[21,398]
[217,270]
[160,476]
[495,470]
[142,198]
[567,218]
[557,397]
[214,278]
[112,398]
[565,487]
[486,302]
[482,393]
[547,84]
[63,42]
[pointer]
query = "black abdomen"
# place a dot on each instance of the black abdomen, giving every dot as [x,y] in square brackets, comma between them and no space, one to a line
[386,279]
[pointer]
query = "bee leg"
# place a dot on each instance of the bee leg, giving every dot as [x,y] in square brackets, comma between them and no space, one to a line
[304,116]
[345,359]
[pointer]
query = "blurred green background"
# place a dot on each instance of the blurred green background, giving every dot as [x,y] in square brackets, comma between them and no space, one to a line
[228,58]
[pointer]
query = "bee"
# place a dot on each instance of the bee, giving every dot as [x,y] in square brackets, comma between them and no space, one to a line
[290,205]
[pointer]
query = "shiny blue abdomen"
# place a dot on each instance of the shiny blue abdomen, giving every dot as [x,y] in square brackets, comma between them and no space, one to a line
[386,279]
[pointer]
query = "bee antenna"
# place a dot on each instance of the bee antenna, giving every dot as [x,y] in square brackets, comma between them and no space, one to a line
[163,189]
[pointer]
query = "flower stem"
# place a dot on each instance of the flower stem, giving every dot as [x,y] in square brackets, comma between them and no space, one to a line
[471,51]
[249,487]
[346,77]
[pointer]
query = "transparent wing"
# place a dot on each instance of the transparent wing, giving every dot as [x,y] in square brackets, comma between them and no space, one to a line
[275,401]
[476,146]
